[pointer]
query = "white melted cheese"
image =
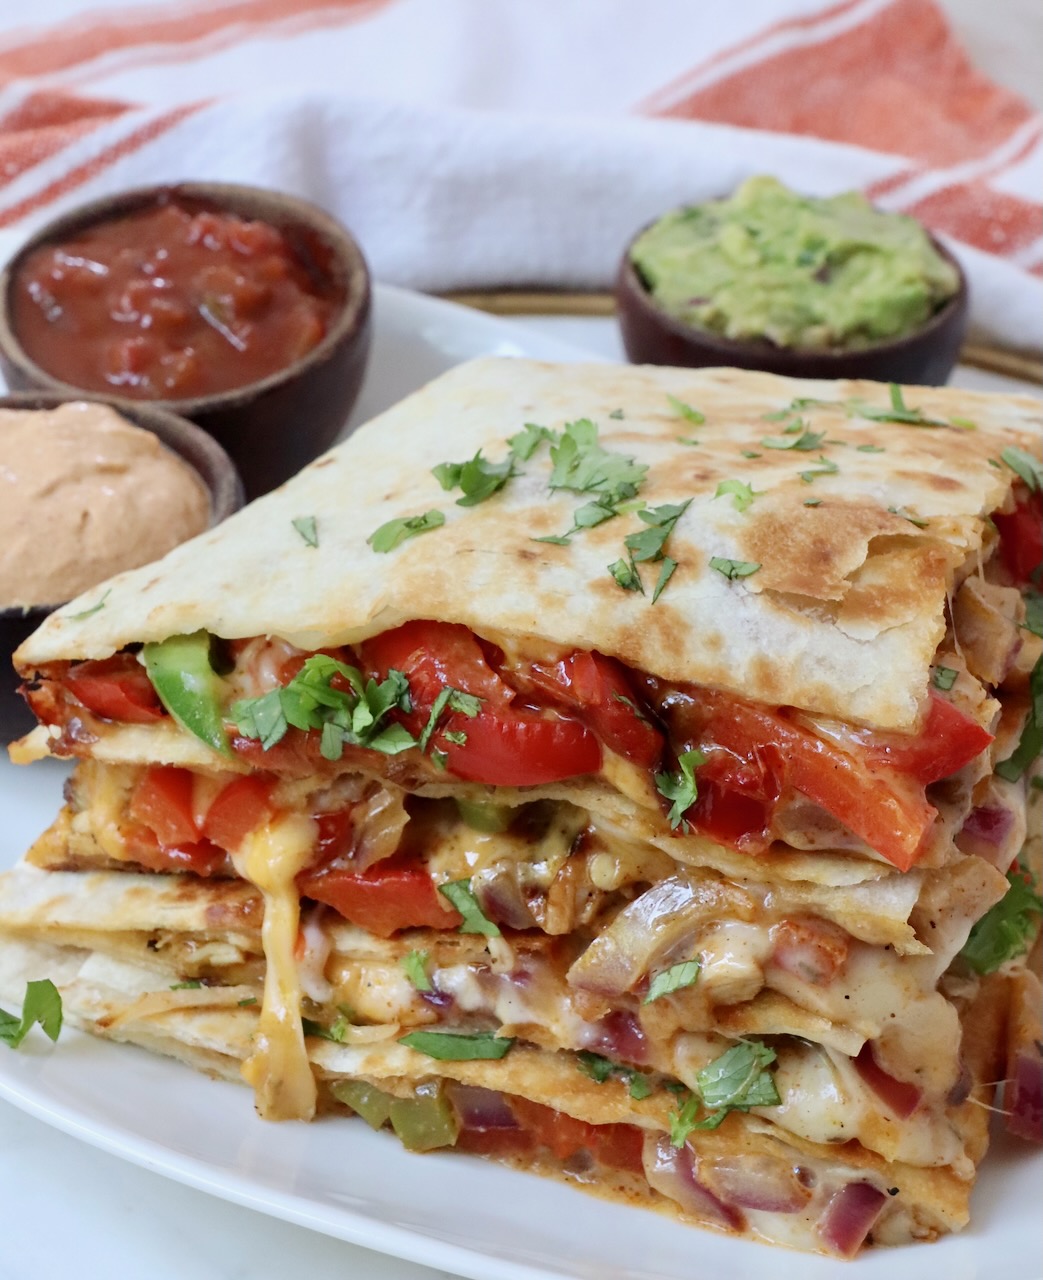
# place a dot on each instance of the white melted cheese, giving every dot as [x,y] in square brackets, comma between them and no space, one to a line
[278,1069]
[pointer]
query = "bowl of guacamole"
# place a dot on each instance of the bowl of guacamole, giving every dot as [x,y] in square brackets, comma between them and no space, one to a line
[772,279]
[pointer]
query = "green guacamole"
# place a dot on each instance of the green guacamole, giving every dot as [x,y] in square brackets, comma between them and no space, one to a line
[799,271]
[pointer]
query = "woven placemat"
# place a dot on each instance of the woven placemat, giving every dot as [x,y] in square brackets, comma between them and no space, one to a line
[521,302]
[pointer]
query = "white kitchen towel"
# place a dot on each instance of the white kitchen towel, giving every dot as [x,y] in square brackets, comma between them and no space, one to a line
[496,143]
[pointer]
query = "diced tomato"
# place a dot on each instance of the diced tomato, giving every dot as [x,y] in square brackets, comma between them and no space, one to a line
[432,655]
[162,800]
[495,1142]
[902,1097]
[521,749]
[755,752]
[502,746]
[599,688]
[239,809]
[116,688]
[389,896]
[199,857]
[617,1145]
[336,835]
[1021,536]
[949,740]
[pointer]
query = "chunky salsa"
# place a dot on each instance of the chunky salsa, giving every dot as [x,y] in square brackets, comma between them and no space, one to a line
[170,302]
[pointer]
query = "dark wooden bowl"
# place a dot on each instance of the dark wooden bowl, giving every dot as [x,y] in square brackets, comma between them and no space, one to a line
[272,427]
[202,453]
[652,336]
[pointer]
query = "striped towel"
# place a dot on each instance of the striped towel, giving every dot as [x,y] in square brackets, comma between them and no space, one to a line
[491,143]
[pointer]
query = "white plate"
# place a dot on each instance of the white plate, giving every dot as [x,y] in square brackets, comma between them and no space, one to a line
[457,1213]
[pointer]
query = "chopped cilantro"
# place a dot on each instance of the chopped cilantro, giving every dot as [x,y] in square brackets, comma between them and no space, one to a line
[193,985]
[733,568]
[245,1004]
[1030,469]
[647,544]
[582,466]
[355,715]
[681,787]
[673,979]
[41,1004]
[306,527]
[827,468]
[686,411]
[415,966]
[1006,929]
[527,441]
[804,443]
[741,492]
[666,572]
[1034,612]
[449,1046]
[1031,742]
[394,532]
[478,478]
[944,678]
[617,414]
[626,575]
[750,453]
[919,521]
[688,440]
[601,1069]
[871,448]
[456,700]
[459,893]
[813,502]
[95,608]
[739,1078]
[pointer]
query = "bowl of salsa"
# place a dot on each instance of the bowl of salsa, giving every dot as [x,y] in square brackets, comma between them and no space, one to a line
[772,279]
[246,311]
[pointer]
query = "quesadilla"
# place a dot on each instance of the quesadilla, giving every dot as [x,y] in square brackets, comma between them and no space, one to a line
[623,772]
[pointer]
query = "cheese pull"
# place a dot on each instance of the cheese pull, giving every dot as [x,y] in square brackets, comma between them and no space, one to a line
[278,1069]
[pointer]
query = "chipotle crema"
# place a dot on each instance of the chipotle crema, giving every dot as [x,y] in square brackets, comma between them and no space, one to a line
[171,302]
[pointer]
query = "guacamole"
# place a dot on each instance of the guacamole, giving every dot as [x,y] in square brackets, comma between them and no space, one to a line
[801,272]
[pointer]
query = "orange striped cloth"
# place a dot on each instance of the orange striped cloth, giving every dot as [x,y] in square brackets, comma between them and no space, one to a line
[487,143]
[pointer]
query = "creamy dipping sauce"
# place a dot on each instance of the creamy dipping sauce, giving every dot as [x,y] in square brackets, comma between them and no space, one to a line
[85,494]
[801,272]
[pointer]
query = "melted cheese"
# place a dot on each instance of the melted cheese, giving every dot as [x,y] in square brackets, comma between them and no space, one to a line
[278,1068]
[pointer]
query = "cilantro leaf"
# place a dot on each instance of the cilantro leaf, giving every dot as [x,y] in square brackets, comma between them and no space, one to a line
[450,1046]
[827,468]
[1006,929]
[306,527]
[394,532]
[870,448]
[525,443]
[41,1004]
[647,544]
[95,608]
[478,478]
[733,568]
[1030,469]
[804,443]
[898,411]
[739,1078]
[626,575]
[919,521]
[459,893]
[944,678]
[673,979]
[741,492]
[355,714]
[1031,742]
[665,574]
[601,1069]
[1034,612]
[415,966]
[686,411]
[582,466]
[681,787]
[456,700]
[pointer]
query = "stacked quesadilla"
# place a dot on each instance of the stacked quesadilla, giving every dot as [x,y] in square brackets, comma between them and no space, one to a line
[622,772]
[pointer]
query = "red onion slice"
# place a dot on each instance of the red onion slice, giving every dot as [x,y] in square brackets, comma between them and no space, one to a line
[849,1217]
[755,1182]
[901,1097]
[1023,1095]
[989,833]
[671,1171]
[480,1109]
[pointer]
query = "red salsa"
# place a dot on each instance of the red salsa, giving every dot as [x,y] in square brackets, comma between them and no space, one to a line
[173,301]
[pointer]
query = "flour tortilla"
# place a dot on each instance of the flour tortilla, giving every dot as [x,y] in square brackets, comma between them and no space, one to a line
[843,617]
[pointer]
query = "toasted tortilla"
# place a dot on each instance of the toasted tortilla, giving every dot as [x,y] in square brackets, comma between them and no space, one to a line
[843,617]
